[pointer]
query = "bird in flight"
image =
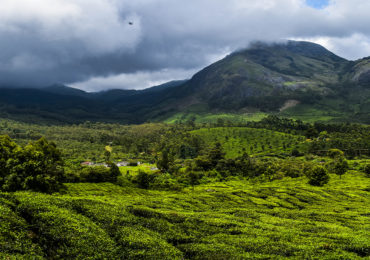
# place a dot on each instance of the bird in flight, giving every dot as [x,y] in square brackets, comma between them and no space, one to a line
[130,23]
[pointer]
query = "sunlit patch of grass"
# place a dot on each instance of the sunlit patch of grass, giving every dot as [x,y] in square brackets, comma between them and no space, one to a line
[133,170]
[216,117]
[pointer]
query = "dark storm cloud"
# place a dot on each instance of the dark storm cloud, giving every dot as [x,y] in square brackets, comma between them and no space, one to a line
[99,44]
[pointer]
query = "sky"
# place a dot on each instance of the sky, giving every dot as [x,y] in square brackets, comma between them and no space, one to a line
[317,4]
[103,44]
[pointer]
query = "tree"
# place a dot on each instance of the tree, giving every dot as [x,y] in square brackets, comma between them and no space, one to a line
[107,152]
[143,180]
[203,163]
[367,170]
[311,133]
[193,178]
[114,172]
[7,151]
[245,165]
[216,154]
[336,153]
[164,161]
[340,166]
[38,166]
[318,176]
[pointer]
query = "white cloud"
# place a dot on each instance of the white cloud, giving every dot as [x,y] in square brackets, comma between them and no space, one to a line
[353,47]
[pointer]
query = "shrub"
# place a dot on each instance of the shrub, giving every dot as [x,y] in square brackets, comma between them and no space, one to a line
[65,234]
[318,176]
[194,177]
[132,163]
[295,153]
[311,133]
[140,243]
[95,174]
[143,180]
[166,181]
[202,163]
[336,153]
[367,170]
[15,236]
[291,169]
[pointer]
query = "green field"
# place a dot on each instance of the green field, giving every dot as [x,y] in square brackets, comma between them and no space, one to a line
[237,219]
[133,170]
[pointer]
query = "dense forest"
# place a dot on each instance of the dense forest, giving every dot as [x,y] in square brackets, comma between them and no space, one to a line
[272,188]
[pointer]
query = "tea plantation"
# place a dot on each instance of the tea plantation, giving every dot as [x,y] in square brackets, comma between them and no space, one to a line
[236,219]
[237,140]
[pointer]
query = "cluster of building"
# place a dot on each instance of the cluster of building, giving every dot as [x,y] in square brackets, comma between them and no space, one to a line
[119,164]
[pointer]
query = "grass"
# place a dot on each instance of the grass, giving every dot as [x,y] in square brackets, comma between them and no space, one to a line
[133,170]
[237,219]
[311,114]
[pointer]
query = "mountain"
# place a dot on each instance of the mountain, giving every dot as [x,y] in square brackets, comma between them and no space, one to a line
[267,77]
[360,72]
[64,90]
[262,71]
[296,79]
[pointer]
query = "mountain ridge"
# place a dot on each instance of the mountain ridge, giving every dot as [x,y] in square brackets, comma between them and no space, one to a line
[262,77]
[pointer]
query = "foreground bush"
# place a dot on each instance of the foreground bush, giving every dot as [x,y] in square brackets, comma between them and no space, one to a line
[38,166]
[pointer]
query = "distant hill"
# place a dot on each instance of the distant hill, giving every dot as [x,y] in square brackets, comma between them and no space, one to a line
[64,90]
[298,79]
[63,104]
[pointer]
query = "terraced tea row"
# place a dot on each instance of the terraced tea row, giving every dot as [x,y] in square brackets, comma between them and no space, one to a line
[235,219]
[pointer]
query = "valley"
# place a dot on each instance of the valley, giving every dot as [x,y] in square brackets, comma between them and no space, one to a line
[200,190]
